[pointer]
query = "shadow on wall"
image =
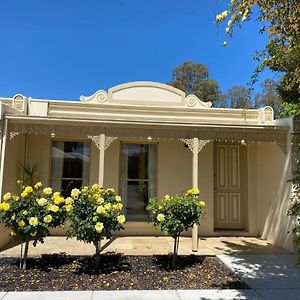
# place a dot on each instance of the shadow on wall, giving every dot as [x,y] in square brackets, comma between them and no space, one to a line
[5,237]
[277,225]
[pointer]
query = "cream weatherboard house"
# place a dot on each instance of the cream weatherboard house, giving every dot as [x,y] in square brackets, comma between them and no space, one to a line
[148,139]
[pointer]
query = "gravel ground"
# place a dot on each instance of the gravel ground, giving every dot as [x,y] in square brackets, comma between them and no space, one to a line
[62,272]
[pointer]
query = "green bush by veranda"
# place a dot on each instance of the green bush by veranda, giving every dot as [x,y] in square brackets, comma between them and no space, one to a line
[96,214]
[175,214]
[30,213]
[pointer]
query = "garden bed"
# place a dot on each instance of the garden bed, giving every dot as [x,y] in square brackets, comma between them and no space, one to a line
[117,272]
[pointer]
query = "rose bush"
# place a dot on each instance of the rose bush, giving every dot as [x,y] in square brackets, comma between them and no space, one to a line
[95,213]
[30,213]
[175,214]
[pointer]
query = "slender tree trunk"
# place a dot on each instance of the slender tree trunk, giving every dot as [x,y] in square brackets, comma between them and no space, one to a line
[174,258]
[97,245]
[24,262]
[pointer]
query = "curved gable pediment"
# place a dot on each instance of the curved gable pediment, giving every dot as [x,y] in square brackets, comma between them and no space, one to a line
[146,93]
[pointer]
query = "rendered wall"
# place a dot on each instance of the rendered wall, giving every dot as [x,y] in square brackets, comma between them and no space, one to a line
[274,169]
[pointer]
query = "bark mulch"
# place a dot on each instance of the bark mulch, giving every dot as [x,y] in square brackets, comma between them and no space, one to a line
[62,272]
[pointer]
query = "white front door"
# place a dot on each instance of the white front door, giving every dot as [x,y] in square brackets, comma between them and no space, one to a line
[229,186]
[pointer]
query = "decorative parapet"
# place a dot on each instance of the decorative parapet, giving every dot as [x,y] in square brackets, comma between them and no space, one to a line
[98,97]
[20,102]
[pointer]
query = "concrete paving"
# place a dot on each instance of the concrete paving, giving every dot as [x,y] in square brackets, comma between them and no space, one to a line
[148,245]
[136,295]
[272,276]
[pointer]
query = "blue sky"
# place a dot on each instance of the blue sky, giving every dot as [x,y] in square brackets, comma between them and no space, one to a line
[61,49]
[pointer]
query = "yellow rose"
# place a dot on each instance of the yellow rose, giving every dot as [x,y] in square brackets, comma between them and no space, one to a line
[69,207]
[33,221]
[21,223]
[118,206]
[42,201]
[95,186]
[167,197]
[196,191]
[201,203]
[33,233]
[47,191]
[99,227]
[6,196]
[100,200]
[118,198]
[5,206]
[100,210]
[160,217]
[69,200]
[85,189]
[28,189]
[53,208]
[121,219]
[38,185]
[25,212]
[48,218]
[24,194]
[13,217]
[59,200]
[75,193]
[108,206]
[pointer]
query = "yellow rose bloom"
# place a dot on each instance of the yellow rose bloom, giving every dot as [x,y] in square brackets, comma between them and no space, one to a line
[33,221]
[48,218]
[167,197]
[59,200]
[95,186]
[118,198]
[100,200]
[160,217]
[5,206]
[28,189]
[38,185]
[69,207]
[85,189]
[21,223]
[53,208]
[13,217]
[69,200]
[47,191]
[25,212]
[201,203]
[108,206]
[118,206]
[100,210]
[6,196]
[75,193]
[33,233]
[56,195]
[121,219]
[99,227]
[24,194]
[42,201]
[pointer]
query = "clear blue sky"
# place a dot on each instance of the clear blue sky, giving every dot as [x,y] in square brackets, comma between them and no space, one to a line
[61,49]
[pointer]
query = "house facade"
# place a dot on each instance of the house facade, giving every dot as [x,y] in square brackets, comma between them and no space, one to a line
[148,139]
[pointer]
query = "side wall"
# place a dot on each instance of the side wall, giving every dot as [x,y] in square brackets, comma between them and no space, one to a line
[274,194]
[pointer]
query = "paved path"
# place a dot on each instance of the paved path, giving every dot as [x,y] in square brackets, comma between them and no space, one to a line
[271,276]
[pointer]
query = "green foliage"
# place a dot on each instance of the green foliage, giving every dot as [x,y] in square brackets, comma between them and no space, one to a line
[289,109]
[175,214]
[281,21]
[96,213]
[31,174]
[193,78]
[31,212]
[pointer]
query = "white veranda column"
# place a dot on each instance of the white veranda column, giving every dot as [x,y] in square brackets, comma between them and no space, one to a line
[195,185]
[3,151]
[101,159]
